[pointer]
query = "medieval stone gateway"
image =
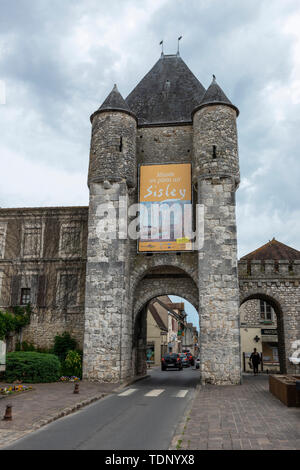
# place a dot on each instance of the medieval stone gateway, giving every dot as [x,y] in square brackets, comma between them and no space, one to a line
[82,279]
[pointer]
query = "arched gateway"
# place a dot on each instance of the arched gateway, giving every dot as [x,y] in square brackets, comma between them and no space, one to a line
[168,119]
[83,274]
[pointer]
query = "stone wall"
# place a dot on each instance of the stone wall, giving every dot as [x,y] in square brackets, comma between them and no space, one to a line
[44,248]
[112,153]
[215,126]
[164,144]
[108,326]
[218,285]
[250,314]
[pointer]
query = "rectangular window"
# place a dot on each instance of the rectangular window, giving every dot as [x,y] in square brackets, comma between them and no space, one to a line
[67,291]
[70,240]
[32,240]
[25,296]
[265,311]
[268,312]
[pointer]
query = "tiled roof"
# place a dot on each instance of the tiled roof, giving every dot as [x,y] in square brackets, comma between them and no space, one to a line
[157,317]
[114,102]
[167,94]
[215,95]
[273,250]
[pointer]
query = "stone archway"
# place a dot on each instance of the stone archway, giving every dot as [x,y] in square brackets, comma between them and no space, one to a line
[156,282]
[278,307]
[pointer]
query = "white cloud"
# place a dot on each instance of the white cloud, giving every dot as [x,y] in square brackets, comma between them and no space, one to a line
[24,181]
[59,60]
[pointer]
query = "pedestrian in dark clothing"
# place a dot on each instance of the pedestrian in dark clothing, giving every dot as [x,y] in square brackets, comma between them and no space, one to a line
[255,359]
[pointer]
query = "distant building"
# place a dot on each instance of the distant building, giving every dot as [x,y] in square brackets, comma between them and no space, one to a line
[258,319]
[166,328]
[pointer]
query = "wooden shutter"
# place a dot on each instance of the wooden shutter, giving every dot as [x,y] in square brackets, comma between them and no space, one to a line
[15,290]
[41,295]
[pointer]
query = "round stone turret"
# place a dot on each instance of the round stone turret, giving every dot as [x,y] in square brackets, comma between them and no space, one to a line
[215,146]
[113,142]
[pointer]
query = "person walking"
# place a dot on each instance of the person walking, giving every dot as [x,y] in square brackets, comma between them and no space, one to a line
[255,359]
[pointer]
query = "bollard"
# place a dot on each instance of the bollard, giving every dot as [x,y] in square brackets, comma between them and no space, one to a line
[8,414]
[76,388]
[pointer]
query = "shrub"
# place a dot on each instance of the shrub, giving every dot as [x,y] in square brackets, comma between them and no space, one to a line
[32,367]
[14,321]
[72,364]
[24,346]
[63,344]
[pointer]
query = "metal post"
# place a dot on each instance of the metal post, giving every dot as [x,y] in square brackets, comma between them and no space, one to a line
[8,413]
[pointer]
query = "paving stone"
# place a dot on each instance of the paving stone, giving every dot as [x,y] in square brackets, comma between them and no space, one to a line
[251,418]
[44,404]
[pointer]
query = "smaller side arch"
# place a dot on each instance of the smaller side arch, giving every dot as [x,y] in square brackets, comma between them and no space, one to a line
[279,308]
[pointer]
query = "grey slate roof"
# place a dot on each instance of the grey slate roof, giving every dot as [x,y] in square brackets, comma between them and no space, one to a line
[215,95]
[167,94]
[114,102]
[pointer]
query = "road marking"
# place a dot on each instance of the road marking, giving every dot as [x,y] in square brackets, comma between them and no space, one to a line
[181,394]
[127,392]
[154,393]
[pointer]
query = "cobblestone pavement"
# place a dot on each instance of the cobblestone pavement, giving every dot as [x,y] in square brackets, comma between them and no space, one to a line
[240,417]
[31,410]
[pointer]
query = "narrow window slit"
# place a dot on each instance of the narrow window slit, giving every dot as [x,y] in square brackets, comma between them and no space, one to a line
[214,151]
[121,144]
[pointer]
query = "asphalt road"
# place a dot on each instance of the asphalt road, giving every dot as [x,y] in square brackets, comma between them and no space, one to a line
[143,416]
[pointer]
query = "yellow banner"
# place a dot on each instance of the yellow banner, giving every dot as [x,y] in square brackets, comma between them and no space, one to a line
[164,182]
[167,189]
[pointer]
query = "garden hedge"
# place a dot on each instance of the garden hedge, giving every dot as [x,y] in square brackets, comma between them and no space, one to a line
[32,367]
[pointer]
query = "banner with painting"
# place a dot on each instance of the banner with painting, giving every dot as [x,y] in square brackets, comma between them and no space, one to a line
[165,199]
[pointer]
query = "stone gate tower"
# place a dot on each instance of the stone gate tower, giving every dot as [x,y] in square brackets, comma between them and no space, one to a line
[168,118]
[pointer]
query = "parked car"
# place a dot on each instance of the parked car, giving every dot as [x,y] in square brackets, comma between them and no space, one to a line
[185,360]
[190,358]
[172,360]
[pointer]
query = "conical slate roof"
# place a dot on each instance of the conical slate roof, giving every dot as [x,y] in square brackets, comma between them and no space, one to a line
[114,102]
[273,250]
[167,94]
[215,95]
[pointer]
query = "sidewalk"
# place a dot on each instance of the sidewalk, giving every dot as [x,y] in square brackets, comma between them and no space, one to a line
[239,417]
[33,409]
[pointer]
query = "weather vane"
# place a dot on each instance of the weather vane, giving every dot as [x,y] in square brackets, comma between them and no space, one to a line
[180,37]
[162,46]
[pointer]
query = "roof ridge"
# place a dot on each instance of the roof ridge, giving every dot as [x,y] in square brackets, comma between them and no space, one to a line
[284,251]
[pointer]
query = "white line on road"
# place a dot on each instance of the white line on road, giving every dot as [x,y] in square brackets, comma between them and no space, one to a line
[181,394]
[127,392]
[154,393]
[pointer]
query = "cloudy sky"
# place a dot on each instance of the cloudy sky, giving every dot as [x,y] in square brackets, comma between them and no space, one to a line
[60,59]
